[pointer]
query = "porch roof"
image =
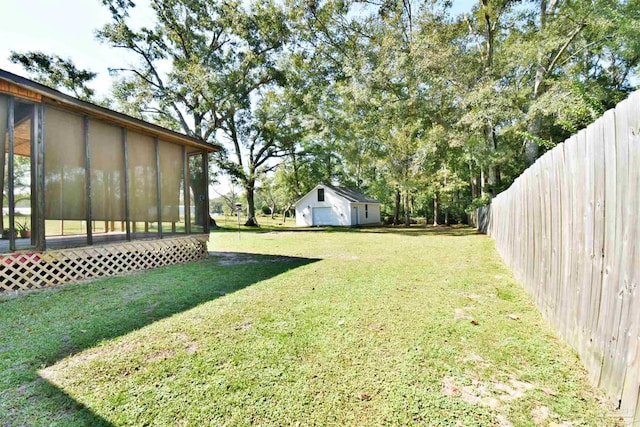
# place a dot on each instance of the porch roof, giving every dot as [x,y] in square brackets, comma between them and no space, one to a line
[34,90]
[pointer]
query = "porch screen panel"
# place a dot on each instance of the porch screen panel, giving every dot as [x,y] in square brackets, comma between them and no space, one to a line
[143,187]
[3,149]
[171,167]
[3,120]
[198,189]
[107,172]
[64,165]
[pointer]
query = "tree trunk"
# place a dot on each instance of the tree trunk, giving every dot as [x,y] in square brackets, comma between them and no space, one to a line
[272,208]
[474,182]
[249,188]
[200,216]
[531,146]
[436,208]
[446,216]
[284,213]
[493,179]
[296,178]
[407,209]
[212,224]
[396,212]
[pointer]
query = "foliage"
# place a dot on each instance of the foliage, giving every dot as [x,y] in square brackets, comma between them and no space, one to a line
[408,90]
[57,72]
[221,65]
[387,97]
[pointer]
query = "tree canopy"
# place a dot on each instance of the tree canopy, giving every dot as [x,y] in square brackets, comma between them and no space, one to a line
[429,111]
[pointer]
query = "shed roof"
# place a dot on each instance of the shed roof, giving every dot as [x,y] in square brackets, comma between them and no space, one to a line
[350,194]
[36,91]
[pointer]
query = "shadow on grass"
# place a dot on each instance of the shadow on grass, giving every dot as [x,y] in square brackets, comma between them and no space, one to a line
[422,230]
[43,327]
[413,230]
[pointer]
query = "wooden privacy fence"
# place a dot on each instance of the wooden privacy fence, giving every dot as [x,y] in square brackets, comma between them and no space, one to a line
[569,227]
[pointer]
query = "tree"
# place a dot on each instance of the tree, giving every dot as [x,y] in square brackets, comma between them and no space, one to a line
[221,58]
[230,198]
[56,72]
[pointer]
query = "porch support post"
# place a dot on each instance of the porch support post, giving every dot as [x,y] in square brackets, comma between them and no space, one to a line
[87,176]
[33,175]
[10,176]
[127,205]
[39,229]
[205,178]
[3,150]
[187,195]
[158,189]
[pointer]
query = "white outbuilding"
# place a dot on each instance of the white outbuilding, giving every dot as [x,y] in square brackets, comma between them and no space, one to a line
[338,206]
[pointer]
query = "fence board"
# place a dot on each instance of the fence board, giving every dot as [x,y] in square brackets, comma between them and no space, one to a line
[571,295]
[628,342]
[615,359]
[596,147]
[563,273]
[609,279]
[585,251]
[569,228]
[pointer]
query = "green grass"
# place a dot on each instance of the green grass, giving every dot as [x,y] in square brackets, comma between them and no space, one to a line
[319,327]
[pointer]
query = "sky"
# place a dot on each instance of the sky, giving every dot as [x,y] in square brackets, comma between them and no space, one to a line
[65,28]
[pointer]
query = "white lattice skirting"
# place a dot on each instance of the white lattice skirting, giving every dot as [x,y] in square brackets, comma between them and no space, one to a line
[34,270]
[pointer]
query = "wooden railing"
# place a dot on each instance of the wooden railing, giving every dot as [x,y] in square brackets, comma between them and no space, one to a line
[569,228]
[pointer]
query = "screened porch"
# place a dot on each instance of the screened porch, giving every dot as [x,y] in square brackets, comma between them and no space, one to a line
[76,174]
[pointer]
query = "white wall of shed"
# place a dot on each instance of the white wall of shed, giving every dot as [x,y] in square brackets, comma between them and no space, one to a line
[363,218]
[339,206]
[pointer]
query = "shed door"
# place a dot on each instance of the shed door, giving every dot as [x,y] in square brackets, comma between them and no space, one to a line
[322,216]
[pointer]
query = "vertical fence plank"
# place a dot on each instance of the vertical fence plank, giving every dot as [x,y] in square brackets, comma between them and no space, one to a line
[596,152]
[571,294]
[585,240]
[565,256]
[556,231]
[615,359]
[628,329]
[546,247]
[609,277]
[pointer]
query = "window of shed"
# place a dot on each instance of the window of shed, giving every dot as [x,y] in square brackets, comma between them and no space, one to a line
[366,211]
[321,194]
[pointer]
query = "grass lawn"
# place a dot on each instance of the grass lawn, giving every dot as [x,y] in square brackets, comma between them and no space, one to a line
[324,327]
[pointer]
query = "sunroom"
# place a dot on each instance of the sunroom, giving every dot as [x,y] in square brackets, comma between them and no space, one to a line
[77,175]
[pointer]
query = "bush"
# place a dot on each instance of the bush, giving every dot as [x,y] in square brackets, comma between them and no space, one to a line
[478,203]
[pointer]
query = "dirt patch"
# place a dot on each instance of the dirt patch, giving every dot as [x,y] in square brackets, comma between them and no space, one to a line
[235,258]
[476,361]
[492,395]
[160,355]
[244,326]
[514,390]
[461,313]
[495,394]
[540,414]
